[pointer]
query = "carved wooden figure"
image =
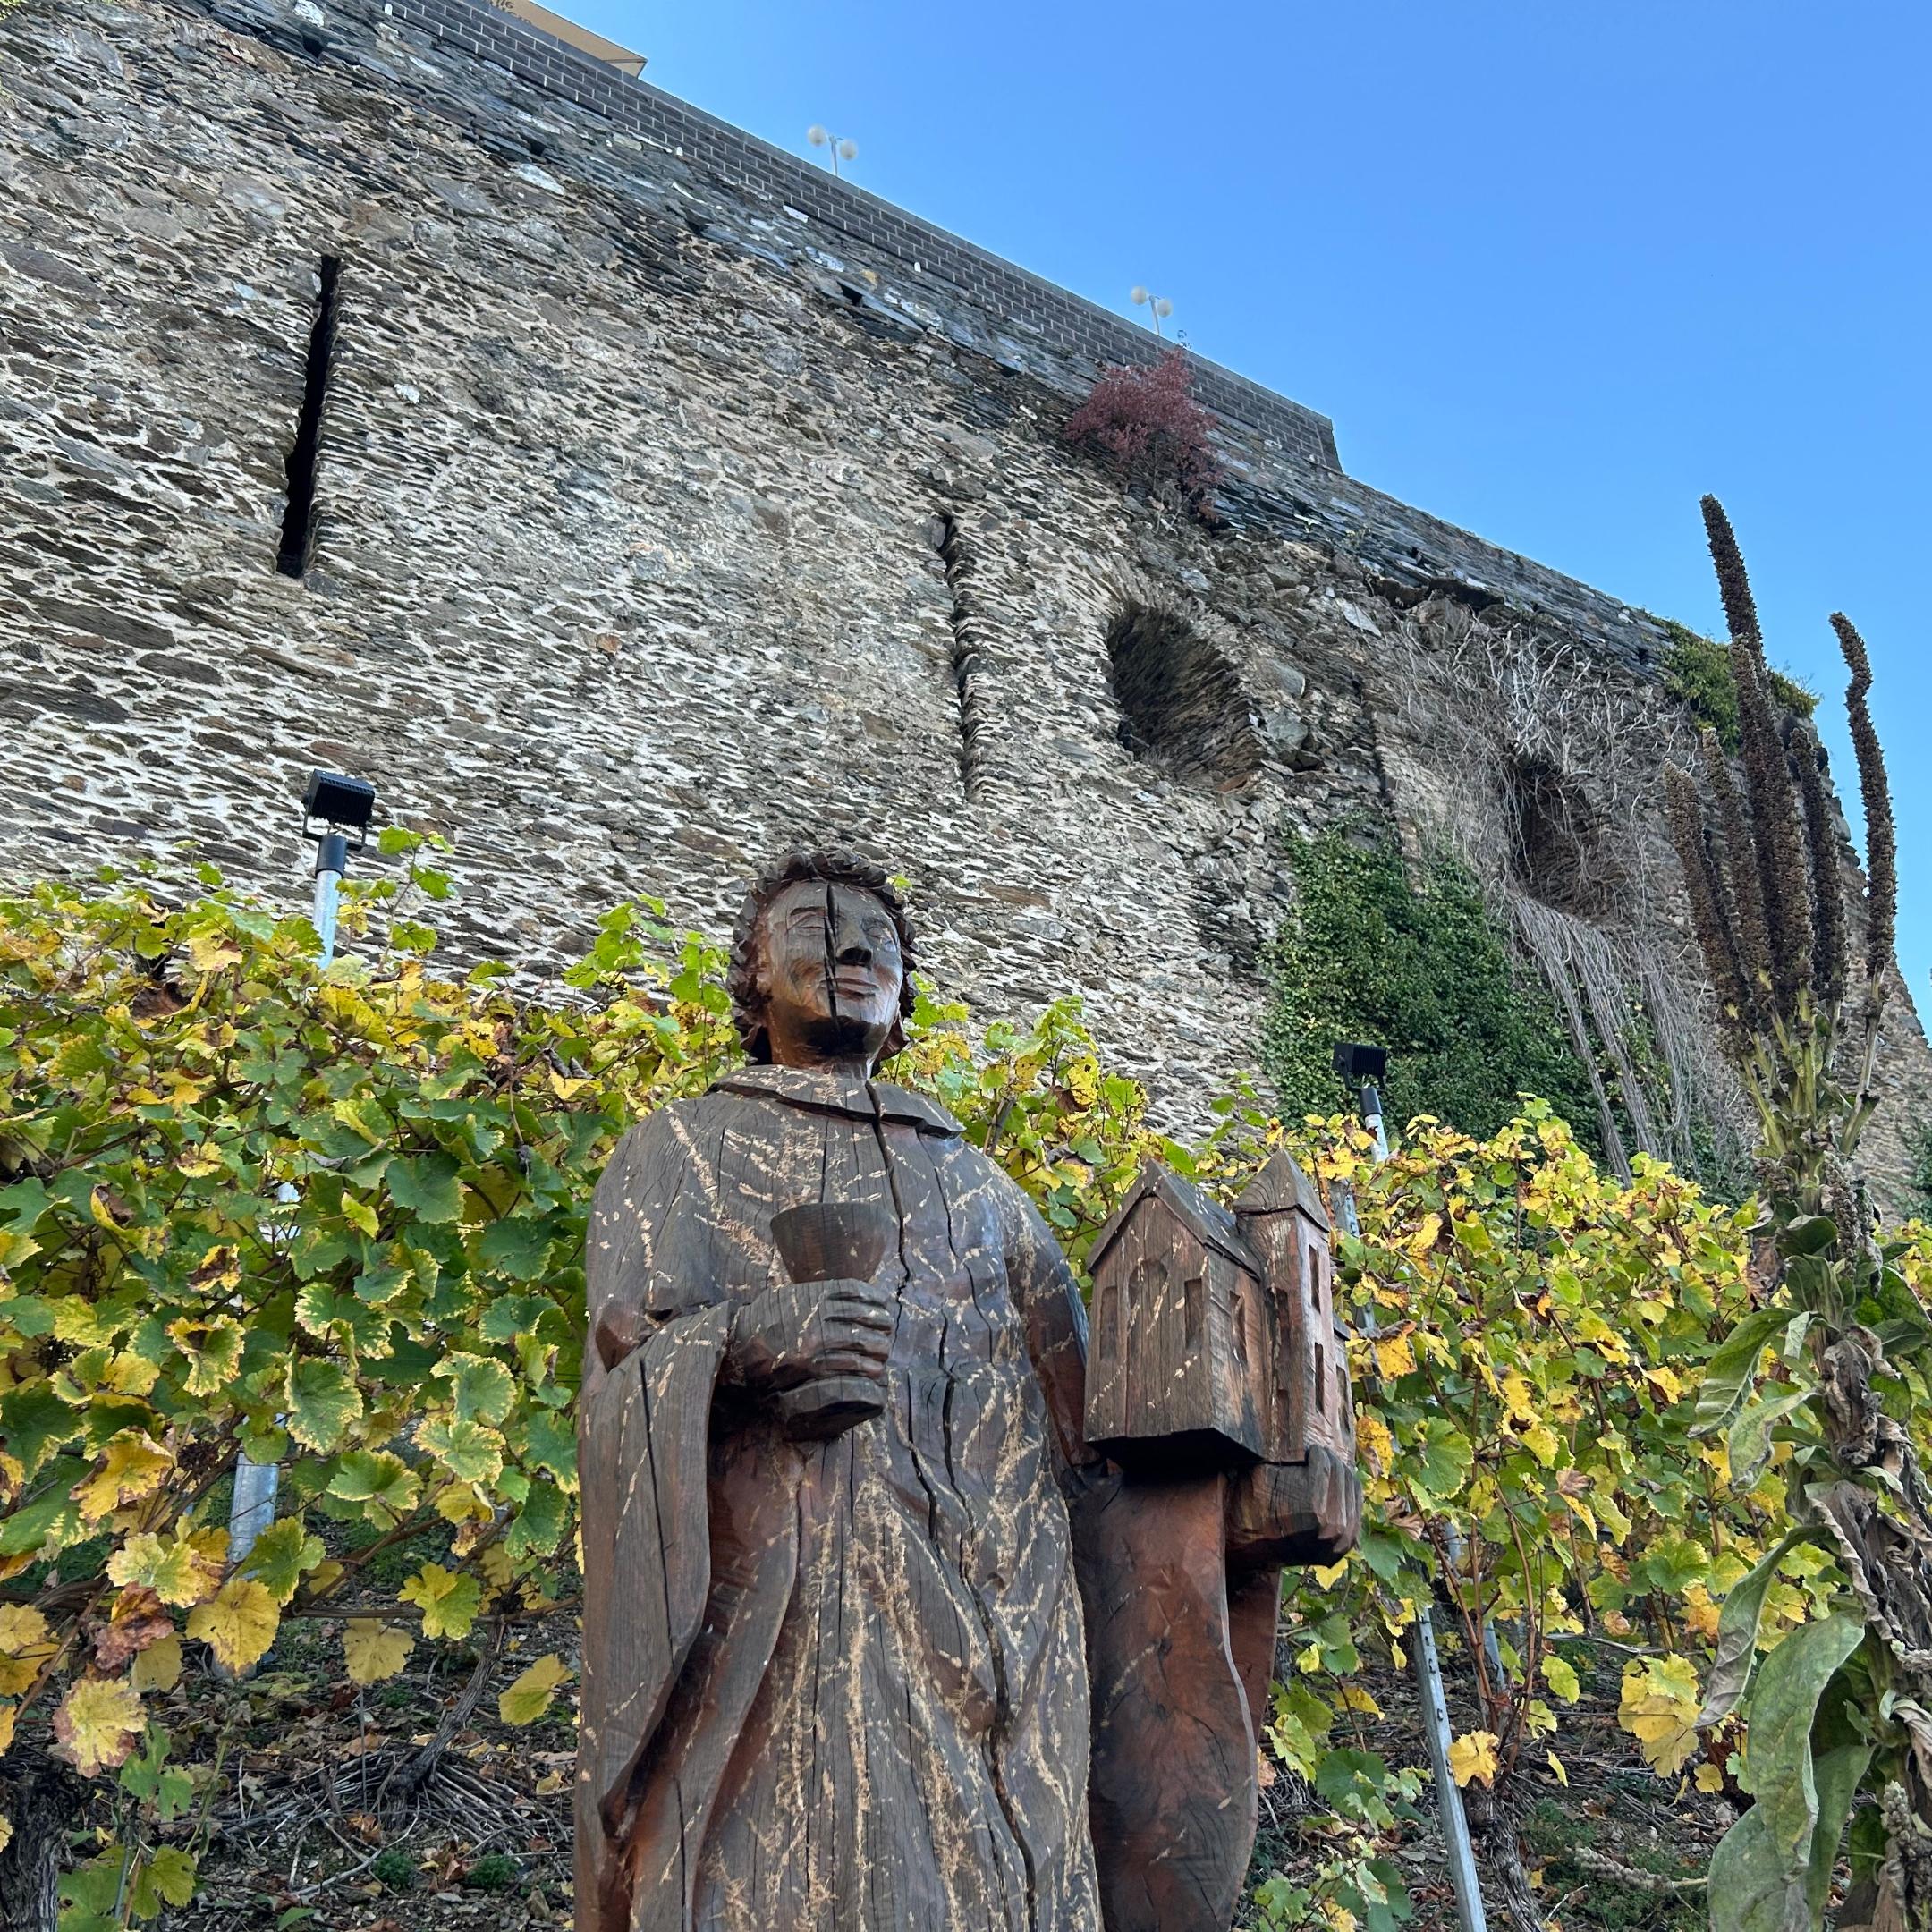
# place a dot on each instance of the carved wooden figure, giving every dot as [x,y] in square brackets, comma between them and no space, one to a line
[850,1563]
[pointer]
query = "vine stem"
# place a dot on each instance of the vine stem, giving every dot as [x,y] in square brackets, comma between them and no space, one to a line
[409,1779]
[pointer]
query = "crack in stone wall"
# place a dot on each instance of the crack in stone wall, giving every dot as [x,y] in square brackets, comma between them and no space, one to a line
[969,666]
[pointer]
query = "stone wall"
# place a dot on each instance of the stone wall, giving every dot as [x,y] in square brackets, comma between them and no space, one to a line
[674,502]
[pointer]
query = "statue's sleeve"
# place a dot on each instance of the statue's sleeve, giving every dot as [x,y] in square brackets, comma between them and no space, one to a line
[1056,1320]
[642,1436]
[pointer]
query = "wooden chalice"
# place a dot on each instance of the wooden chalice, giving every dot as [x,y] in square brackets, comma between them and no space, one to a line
[833,1241]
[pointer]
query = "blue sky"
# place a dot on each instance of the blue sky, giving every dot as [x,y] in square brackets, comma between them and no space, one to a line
[1553,270]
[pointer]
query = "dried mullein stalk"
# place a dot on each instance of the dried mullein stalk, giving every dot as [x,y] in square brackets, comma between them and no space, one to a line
[1741,898]
[1704,882]
[1828,955]
[1881,835]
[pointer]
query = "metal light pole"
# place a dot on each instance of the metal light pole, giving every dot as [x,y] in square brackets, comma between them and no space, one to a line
[340,806]
[836,150]
[1156,306]
[1363,1067]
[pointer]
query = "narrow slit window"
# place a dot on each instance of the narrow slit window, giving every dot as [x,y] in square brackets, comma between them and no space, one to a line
[305,454]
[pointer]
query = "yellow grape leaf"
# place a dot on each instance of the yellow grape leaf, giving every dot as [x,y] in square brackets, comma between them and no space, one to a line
[212,1544]
[1373,1438]
[133,1465]
[6,1733]
[209,952]
[132,1375]
[1590,1327]
[1543,1441]
[1519,1398]
[1394,1357]
[1710,1778]
[1666,1382]
[22,1628]
[178,1572]
[458,1503]
[239,1625]
[449,1602]
[528,1697]
[1472,1757]
[1562,1678]
[322,1580]
[6,1832]
[1659,1708]
[494,1564]
[1355,1699]
[98,1723]
[158,1667]
[26,1644]
[1557,1765]
[375,1649]
[1701,1613]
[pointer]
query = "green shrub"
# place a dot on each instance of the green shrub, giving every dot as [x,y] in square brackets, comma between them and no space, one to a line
[1696,673]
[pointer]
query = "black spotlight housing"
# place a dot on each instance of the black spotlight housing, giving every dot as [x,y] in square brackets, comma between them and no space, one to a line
[1356,1062]
[345,803]
[334,806]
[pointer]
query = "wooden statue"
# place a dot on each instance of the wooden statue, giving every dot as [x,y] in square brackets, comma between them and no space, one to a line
[841,1510]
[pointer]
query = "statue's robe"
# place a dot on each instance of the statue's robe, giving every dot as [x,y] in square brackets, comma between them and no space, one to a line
[830,1687]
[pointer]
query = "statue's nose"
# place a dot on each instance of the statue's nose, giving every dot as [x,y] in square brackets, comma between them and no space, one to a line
[853,948]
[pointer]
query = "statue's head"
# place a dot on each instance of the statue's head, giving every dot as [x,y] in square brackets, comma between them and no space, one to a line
[821,963]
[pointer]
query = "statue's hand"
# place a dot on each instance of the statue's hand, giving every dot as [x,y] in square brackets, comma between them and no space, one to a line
[801,1331]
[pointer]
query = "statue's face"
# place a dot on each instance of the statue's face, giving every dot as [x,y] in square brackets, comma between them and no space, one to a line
[831,975]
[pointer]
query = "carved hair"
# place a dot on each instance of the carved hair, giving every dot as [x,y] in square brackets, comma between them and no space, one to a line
[833,867]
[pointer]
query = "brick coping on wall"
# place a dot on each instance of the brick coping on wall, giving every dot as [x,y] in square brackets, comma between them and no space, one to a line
[1069,321]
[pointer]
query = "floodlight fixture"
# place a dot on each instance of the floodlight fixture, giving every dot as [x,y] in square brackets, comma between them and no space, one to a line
[338,805]
[1363,1066]
[1354,1061]
[1156,306]
[334,807]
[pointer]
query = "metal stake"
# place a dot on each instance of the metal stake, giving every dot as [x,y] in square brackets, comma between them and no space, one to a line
[252,1507]
[1425,1661]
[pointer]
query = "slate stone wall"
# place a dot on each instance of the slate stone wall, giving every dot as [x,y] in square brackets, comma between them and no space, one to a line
[675,502]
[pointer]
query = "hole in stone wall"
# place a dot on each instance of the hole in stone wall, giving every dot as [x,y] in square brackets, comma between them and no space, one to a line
[1181,702]
[968,660]
[305,454]
[1560,852]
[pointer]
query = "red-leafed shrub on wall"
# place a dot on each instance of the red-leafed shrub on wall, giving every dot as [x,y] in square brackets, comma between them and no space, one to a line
[1148,420]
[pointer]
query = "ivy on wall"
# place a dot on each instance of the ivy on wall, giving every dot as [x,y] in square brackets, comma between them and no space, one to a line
[1418,966]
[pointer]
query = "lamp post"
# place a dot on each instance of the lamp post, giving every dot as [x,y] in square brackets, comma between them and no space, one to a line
[1156,306]
[1364,1067]
[836,150]
[334,807]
